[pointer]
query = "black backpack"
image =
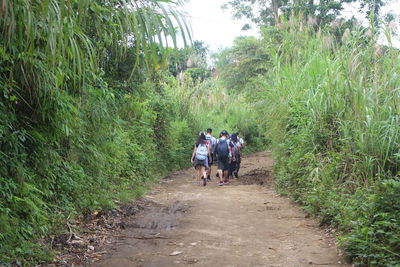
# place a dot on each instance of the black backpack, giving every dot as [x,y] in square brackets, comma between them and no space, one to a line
[223,149]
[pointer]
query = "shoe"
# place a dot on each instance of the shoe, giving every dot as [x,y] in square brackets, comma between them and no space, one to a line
[204,182]
[220,183]
[236,174]
[226,182]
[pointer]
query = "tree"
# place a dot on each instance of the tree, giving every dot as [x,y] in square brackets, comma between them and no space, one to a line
[239,65]
[198,55]
[372,10]
[267,12]
[51,45]
[259,12]
[195,56]
[177,60]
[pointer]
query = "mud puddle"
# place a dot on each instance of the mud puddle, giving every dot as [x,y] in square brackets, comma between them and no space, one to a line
[258,176]
[161,217]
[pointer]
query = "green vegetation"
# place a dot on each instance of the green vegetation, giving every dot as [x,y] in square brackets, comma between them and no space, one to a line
[89,113]
[191,60]
[212,105]
[84,119]
[95,105]
[329,107]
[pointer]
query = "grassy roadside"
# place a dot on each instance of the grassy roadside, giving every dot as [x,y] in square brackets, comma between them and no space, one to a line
[332,116]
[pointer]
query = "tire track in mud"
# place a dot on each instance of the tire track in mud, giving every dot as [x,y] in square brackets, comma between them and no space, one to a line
[244,223]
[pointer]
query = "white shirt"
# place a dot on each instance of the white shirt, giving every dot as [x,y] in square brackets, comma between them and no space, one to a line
[241,142]
[212,140]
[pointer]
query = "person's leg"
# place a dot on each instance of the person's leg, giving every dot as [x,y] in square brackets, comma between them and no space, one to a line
[221,175]
[209,172]
[238,166]
[216,160]
[232,167]
[226,171]
[204,173]
[209,167]
[198,176]
[226,176]
[220,171]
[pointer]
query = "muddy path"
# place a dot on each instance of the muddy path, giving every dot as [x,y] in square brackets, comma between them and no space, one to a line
[240,224]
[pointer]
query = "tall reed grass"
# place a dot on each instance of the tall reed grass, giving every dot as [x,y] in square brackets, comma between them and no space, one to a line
[331,112]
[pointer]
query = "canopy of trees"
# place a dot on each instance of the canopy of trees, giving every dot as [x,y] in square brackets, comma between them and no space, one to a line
[267,12]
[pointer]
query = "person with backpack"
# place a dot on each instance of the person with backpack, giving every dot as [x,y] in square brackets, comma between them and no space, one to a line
[235,148]
[201,154]
[223,153]
[239,158]
[215,151]
[212,141]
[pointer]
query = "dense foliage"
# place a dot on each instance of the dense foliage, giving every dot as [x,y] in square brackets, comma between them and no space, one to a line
[330,109]
[92,110]
[192,60]
[84,119]
[210,104]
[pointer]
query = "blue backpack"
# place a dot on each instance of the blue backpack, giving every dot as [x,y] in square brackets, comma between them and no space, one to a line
[223,149]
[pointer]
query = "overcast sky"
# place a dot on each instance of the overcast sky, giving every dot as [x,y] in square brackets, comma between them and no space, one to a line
[213,25]
[216,27]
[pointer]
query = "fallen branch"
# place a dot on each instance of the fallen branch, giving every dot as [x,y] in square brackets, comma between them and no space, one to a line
[149,237]
[128,236]
[70,230]
[314,263]
[292,217]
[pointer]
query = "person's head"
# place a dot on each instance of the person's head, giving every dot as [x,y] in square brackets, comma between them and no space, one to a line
[224,133]
[237,134]
[234,137]
[201,139]
[209,131]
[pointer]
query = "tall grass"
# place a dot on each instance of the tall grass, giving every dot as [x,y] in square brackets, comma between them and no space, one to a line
[331,112]
[211,105]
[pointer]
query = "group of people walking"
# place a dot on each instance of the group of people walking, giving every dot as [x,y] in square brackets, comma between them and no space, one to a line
[226,151]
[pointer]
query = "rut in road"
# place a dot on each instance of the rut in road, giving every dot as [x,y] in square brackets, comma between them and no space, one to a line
[240,224]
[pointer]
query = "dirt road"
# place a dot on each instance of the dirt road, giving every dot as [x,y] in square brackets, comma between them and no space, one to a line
[240,224]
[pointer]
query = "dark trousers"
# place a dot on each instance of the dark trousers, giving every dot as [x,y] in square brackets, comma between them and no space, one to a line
[239,159]
[232,168]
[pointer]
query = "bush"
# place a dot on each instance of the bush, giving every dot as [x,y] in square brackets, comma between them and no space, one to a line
[333,126]
[373,217]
